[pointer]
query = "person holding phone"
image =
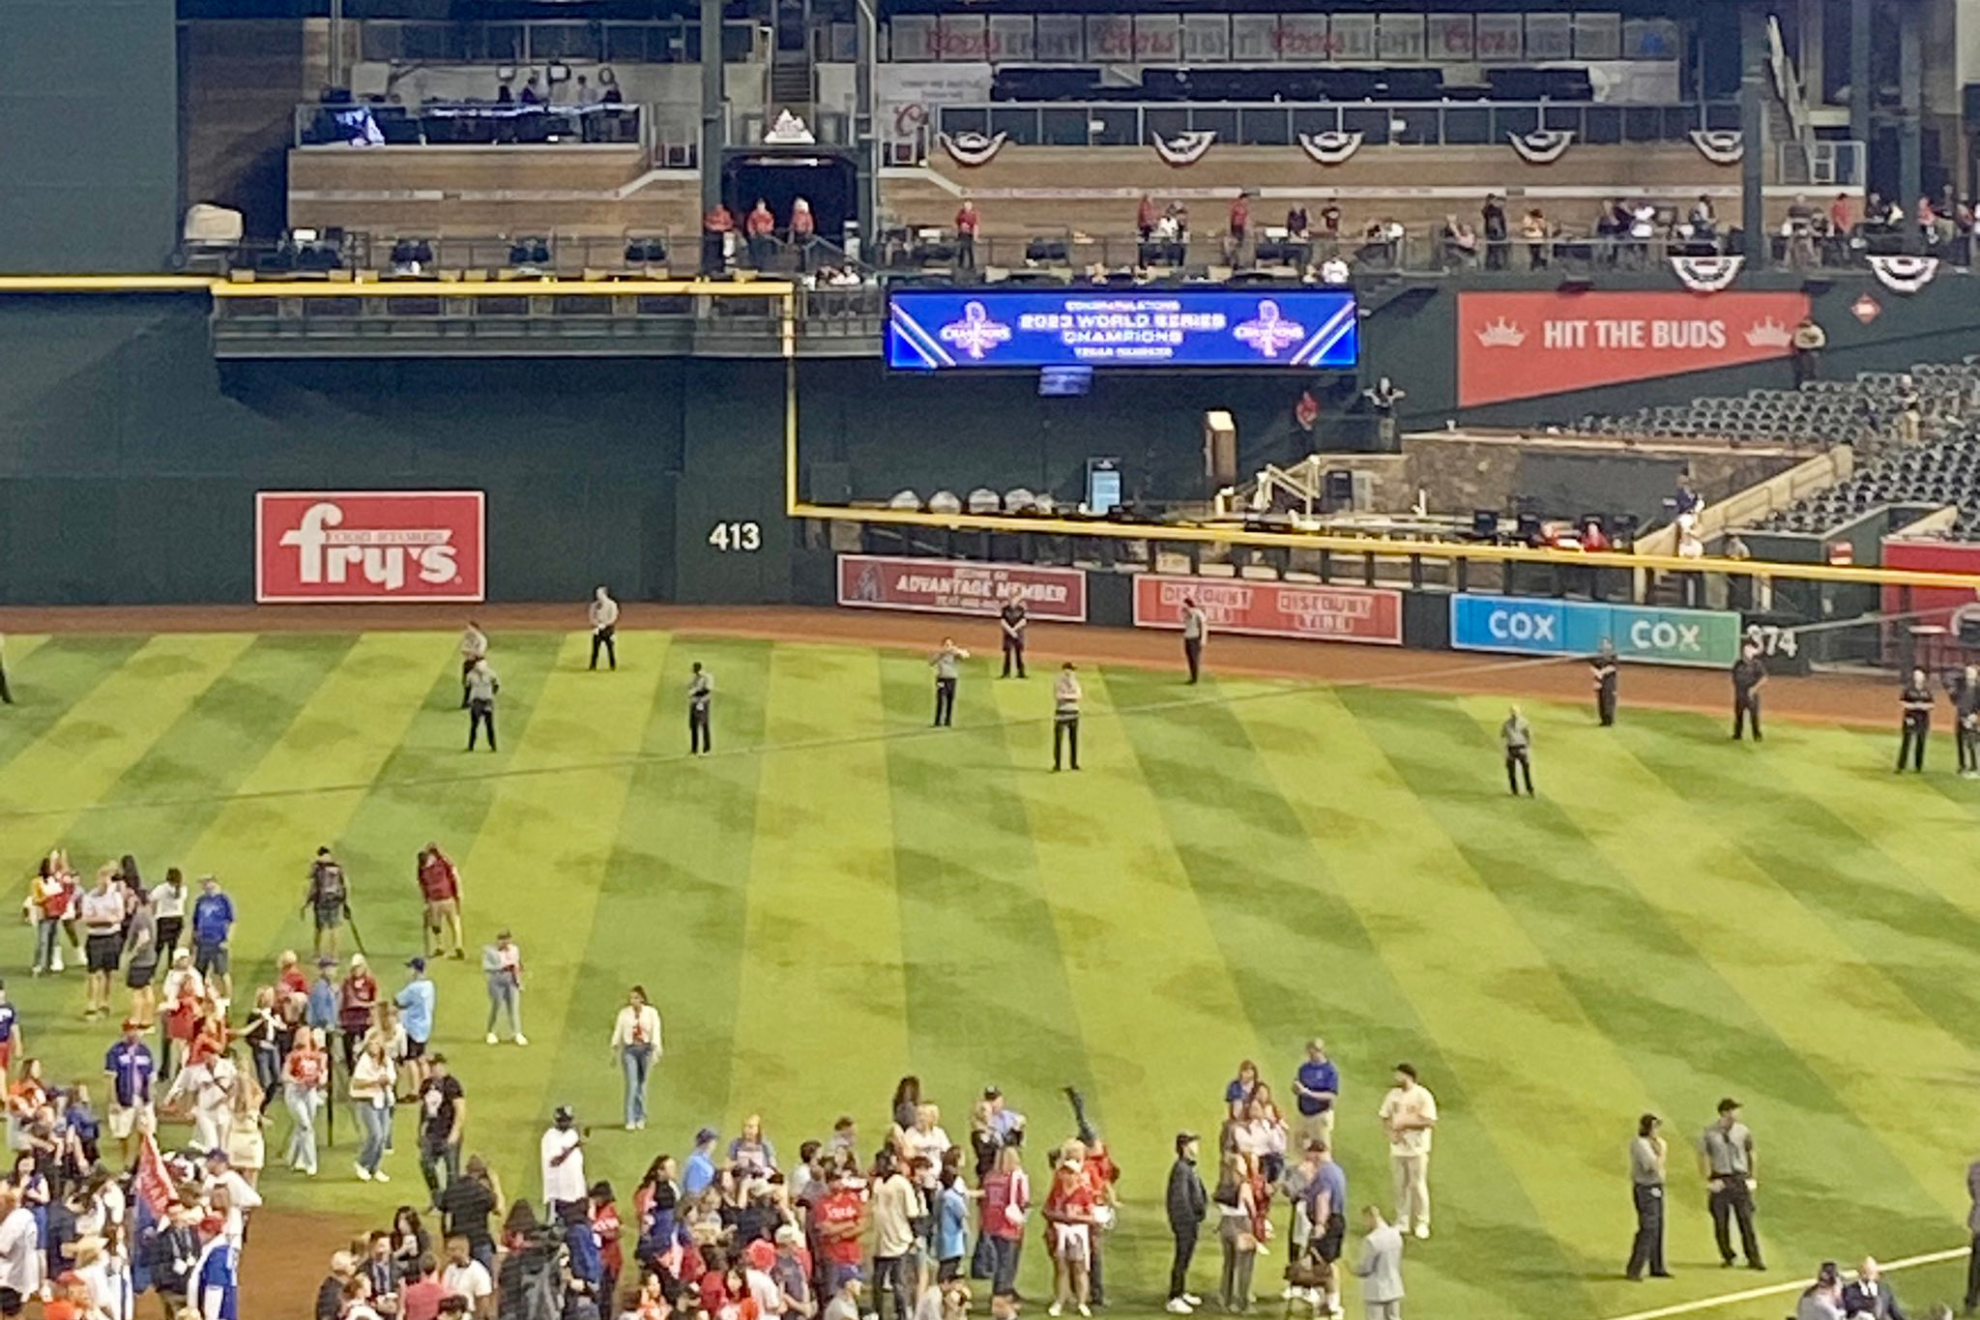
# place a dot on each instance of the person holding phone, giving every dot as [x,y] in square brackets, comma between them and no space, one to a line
[565,1190]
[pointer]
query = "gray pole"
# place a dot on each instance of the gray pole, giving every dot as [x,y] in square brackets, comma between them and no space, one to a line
[1753,126]
[714,127]
[1859,71]
[866,142]
[1910,86]
[336,43]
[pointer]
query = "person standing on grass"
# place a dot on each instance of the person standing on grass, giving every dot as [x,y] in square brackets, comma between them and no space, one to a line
[896,1207]
[1066,697]
[1409,1115]
[132,1073]
[1236,1208]
[357,1008]
[701,699]
[1517,736]
[440,888]
[1012,621]
[212,926]
[6,693]
[48,898]
[1749,675]
[604,614]
[1966,721]
[636,1042]
[305,1076]
[13,1040]
[1604,670]
[102,913]
[141,959]
[1730,1167]
[442,1115]
[1973,1232]
[501,968]
[373,1085]
[474,650]
[482,685]
[416,1002]
[168,905]
[1195,631]
[1916,701]
[1646,1179]
[946,664]
[1316,1090]
[328,901]
[1187,1204]
[562,1156]
[1380,1267]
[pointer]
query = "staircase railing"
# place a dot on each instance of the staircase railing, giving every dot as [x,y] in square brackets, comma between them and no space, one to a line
[1787,83]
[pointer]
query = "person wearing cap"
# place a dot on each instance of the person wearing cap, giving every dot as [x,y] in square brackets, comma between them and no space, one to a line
[1187,1204]
[328,900]
[415,1002]
[562,1154]
[212,924]
[636,1043]
[440,889]
[845,1303]
[1730,1167]
[442,1114]
[132,1071]
[501,968]
[1646,1178]
[1822,1299]
[1409,1115]
[698,1173]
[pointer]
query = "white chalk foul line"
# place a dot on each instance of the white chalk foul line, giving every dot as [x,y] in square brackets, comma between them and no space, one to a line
[1781,1289]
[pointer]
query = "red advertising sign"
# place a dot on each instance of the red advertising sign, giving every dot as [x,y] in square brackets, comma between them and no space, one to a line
[377,545]
[1520,345]
[1309,613]
[1948,606]
[954,586]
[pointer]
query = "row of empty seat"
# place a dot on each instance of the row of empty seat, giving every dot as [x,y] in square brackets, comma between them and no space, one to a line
[1861,411]
[1944,472]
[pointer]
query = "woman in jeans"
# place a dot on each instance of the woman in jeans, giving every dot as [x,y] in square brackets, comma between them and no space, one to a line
[50,901]
[1006,1202]
[372,1084]
[1235,1208]
[636,1040]
[304,1075]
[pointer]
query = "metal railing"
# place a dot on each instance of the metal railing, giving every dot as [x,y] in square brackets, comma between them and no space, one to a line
[395,41]
[1275,124]
[374,123]
[1821,163]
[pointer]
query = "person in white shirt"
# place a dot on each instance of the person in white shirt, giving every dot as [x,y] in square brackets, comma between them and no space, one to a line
[468,1278]
[896,1207]
[373,1085]
[636,1042]
[1408,1114]
[168,908]
[501,967]
[474,649]
[563,1164]
[926,1142]
[20,1253]
[102,914]
[207,1090]
[604,627]
[229,1193]
[1334,271]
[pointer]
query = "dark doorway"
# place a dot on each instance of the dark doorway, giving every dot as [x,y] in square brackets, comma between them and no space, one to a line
[829,183]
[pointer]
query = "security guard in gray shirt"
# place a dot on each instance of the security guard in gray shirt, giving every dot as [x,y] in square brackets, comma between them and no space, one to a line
[1727,1160]
[482,685]
[1646,1184]
[946,664]
[1517,736]
[701,696]
[1195,627]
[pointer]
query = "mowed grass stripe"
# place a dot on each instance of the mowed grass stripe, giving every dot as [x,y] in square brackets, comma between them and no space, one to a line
[1685,1031]
[102,730]
[1163,1022]
[821,1020]
[988,1001]
[672,911]
[1520,1063]
[1805,986]
[411,803]
[538,864]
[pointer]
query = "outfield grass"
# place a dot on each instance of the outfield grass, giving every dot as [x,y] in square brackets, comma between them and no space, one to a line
[840,896]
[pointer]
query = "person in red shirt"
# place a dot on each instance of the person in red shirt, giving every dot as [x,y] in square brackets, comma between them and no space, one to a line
[420,1299]
[1069,1222]
[357,1008]
[440,886]
[967,221]
[1101,1174]
[1144,218]
[716,227]
[842,1215]
[1841,215]
[605,1225]
[759,225]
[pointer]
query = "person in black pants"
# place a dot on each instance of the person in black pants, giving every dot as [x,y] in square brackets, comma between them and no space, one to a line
[1916,698]
[1187,1204]
[1517,736]
[482,686]
[7,697]
[1966,721]
[1749,675]
[1646,1178]
[1973,1227]
[1011,621]
[701,696]
[1604,667]
[1066,696]
[946,664]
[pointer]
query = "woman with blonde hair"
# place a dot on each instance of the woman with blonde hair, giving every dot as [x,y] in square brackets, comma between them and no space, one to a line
[247,1148]
[1006,1203]
[305,1074]
[1236,1212]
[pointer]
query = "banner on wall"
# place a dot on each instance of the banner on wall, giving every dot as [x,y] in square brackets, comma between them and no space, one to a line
[1521,345]
[1309,613]
[1955,608]
[1535,626]
[953,586]
[361,546]
[905,92]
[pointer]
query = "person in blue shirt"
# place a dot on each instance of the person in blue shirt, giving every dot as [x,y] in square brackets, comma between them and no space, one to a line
[212,924]
[322,1010]
[699,1171]
[416,1003]
[1326,1211]
[11,1042]
[1316,1089]
[951,1226]
[216,1279]
[132,1071]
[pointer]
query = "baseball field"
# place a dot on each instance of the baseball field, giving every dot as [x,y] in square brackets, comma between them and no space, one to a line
[1313,841]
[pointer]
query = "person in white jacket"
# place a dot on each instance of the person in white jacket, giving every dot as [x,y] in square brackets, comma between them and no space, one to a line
[636,1042]
[20,1253]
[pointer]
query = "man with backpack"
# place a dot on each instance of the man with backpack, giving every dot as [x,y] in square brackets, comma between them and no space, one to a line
[328,901]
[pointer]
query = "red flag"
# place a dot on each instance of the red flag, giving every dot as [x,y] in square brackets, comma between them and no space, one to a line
[154,1181]
[1307,410]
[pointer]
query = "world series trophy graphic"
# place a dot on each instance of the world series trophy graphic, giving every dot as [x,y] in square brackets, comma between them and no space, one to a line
[976,334]
[1269,333]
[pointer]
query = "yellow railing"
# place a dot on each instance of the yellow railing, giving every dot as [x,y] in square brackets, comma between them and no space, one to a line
[355,288]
